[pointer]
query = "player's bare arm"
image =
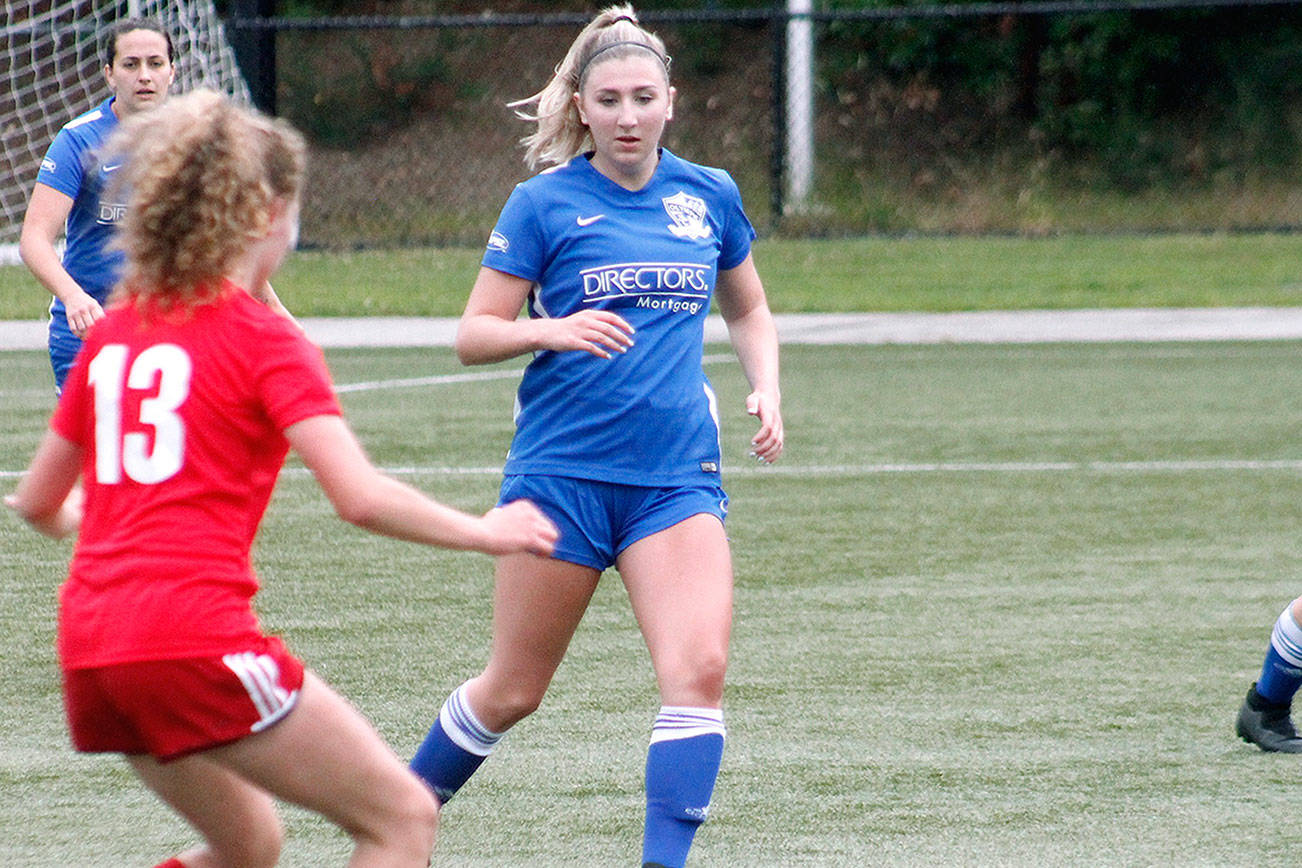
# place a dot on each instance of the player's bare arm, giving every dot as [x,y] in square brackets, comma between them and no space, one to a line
[490,330]
[740,296]
[47,212]
[364,496]
[48,497]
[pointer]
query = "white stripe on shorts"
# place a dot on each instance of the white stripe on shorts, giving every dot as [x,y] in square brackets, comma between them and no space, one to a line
[260,676]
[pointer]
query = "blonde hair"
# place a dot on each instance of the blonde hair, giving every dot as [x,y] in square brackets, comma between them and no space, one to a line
[560,134]
[202,174]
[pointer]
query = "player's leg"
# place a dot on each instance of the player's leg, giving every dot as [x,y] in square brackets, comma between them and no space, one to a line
[1264,718]
[537,605]
[237,820]
[325,756]
[680,583]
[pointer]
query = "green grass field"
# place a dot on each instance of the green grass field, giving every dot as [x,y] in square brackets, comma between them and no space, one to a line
[997,606]
[842,275]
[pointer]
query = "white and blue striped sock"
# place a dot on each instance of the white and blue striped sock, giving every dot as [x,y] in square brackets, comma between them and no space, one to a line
[1281,673]
[454,748]
[681,766]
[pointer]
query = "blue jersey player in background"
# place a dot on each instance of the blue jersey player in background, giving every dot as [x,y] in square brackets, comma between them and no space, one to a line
[617,252]
[70,199]
[74,195]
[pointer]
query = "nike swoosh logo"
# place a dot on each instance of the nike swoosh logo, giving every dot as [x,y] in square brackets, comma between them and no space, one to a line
[112,168]
[588,221]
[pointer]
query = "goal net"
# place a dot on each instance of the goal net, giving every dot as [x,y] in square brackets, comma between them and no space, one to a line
[51,71]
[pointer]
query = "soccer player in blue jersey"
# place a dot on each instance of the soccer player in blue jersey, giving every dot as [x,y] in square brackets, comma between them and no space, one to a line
[68,198]
[616,251]
[74,195]
[1264,717]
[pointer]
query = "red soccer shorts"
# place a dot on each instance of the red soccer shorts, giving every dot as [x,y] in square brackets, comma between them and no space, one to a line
[171,708]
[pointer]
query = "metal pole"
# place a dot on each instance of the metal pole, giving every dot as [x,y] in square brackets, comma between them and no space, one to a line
[800,100]
[255,51]
[778,100]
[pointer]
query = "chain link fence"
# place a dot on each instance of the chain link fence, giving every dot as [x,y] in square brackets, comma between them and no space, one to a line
[413,142]
[1037,117]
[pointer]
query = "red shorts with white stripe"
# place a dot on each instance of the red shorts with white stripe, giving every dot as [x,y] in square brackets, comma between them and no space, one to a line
[171,708]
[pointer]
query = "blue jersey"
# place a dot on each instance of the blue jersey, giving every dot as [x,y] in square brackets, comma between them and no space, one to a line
[72,166]
[648,416]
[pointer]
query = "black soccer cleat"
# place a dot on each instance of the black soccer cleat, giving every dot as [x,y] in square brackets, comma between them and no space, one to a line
[1266,724]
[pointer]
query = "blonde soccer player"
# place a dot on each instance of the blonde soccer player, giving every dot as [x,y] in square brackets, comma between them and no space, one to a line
[617,251]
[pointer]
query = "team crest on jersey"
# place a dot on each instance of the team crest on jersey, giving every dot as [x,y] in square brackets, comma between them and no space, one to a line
[688,214]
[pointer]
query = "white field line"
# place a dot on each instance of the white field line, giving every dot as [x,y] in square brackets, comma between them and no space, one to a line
[413,382]
[1172,466]
[479,377]
[871,469]
[1210,465]
[365,385]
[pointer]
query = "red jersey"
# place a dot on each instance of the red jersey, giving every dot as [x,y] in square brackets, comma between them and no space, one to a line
[180,419]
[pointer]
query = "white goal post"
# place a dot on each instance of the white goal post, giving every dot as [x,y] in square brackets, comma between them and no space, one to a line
[51,71]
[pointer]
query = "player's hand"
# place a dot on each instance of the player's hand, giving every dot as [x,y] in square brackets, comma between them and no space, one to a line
[520,527]
[82,312]
[766,445]
[599,332]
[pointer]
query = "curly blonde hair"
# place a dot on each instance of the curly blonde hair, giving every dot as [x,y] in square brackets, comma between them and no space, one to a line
[201,175]
[560,134]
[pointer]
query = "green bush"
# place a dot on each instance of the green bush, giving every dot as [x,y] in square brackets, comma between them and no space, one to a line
[1136,98]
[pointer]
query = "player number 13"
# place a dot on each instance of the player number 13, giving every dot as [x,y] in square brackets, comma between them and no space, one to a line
[115,453]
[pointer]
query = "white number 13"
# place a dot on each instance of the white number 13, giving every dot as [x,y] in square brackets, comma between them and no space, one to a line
[115,453]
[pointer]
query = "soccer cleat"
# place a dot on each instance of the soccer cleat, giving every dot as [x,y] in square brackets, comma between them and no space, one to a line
[1267,725]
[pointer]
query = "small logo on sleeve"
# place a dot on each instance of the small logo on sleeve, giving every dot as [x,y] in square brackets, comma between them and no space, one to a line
[497,241]
[588,221]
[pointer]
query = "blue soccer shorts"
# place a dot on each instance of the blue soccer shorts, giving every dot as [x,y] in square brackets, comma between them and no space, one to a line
[598,520]
[64,346]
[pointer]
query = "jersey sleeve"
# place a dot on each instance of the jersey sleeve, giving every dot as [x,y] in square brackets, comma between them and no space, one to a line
[737,231]
[516,245]
[293,382]
[63,166]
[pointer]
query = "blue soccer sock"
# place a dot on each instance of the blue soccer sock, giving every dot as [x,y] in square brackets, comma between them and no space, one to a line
[456,745]
[1281,674]
[681,766]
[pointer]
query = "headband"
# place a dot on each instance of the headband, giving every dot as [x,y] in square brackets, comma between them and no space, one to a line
[603,49]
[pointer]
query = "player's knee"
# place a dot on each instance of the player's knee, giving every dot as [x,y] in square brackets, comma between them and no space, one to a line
[710,674]
[698,681]
[420,820]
